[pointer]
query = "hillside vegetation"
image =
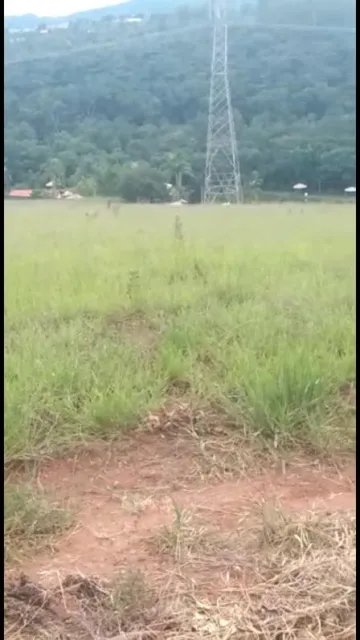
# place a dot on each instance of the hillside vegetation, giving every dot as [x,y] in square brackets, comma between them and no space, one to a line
[119,109]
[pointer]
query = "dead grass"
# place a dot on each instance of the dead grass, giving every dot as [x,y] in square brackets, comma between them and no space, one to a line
[279,531]
[301,586]
[305,586]
[86,609]
[221,447]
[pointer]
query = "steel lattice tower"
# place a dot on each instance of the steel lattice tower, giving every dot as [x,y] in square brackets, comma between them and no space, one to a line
[222,172]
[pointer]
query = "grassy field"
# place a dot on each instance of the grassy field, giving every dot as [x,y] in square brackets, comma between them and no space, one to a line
[229,336]
[107,316]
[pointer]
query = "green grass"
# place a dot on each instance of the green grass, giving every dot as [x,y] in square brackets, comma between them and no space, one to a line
[30,520]
[255,308]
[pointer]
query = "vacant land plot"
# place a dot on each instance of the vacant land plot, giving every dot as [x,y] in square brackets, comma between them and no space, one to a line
[228,336]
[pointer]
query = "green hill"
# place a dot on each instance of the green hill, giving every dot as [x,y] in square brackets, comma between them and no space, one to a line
[121,109]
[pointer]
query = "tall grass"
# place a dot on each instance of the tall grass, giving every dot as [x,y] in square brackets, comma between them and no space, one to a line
[254,308]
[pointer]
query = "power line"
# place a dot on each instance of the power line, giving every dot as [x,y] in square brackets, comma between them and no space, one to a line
[222,171]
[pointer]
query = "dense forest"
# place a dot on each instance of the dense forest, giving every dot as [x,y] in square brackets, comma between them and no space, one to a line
[120,109]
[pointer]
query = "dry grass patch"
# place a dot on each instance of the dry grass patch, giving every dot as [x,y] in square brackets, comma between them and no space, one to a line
[302,587]
[87,609]
[221,447]
[281,532]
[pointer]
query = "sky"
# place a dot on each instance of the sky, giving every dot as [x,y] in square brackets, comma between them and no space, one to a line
[55,8]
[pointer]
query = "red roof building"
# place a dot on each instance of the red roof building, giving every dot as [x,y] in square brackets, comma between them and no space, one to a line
[20,193]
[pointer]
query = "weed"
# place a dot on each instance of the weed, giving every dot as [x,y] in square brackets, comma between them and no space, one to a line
[178,228]
[183,536]
[200,272]
[132,597]
[133,285]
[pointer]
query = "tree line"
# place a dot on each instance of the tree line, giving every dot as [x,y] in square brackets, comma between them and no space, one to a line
[127,114]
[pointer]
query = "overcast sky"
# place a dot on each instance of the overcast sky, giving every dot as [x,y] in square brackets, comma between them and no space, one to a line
[55,8]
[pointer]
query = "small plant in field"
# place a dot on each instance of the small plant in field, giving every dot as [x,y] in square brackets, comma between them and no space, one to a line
[133,283]
[178,228]
[132,598]
[199,272]
[183,536]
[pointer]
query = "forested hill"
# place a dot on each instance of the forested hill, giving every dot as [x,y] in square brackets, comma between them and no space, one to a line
[120,109]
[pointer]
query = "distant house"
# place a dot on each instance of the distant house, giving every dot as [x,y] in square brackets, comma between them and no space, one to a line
[20,193]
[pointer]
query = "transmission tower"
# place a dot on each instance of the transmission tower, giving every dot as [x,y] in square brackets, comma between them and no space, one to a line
[222,172]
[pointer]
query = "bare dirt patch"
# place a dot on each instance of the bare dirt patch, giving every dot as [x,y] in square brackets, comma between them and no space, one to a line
[228,554]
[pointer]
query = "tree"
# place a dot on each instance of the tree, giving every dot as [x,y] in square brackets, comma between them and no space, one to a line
[141,182]
[178,168]
[93,113]
[56,172]
[86,186]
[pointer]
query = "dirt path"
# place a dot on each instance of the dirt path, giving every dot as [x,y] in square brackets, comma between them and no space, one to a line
[183,539]
[124,497]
